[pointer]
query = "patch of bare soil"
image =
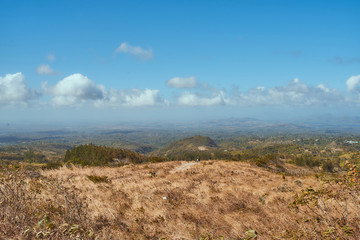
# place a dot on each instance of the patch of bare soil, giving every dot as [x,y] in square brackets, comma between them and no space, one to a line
[184,166]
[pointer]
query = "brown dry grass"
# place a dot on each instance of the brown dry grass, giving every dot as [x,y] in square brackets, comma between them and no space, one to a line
[209,200]
[177,200]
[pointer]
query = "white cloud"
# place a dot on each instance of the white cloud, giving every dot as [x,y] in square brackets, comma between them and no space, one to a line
[196,99]
[132,98]
[323,88]
[75,89]
[50,57]
[44,69]
[295,93]
[179,82]
[135,51]
[13,90]
[353,84]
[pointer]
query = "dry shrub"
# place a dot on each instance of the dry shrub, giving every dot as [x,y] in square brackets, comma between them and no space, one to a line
[245,201]
[40,208]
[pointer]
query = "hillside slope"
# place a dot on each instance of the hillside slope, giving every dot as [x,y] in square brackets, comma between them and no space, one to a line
[207,199]
[178,200]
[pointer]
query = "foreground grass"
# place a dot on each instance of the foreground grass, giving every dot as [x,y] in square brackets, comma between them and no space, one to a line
[208,200]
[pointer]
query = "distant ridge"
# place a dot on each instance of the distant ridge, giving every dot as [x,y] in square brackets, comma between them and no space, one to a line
[192,144]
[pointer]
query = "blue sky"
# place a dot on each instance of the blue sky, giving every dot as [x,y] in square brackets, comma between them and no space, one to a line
[177,59]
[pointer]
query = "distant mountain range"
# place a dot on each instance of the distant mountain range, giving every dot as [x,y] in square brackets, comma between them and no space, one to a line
[321,124]
[146,137]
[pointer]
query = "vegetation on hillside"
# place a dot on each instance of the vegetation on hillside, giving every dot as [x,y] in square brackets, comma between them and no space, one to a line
[92,155]
[192,148]
[189,144]
[322,152]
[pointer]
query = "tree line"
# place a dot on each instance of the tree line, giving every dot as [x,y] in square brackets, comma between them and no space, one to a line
[93,155]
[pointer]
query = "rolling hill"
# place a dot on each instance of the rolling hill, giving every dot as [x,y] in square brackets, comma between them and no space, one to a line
[191,147]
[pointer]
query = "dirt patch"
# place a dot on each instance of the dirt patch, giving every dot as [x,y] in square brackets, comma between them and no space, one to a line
[184,167]
[202,148]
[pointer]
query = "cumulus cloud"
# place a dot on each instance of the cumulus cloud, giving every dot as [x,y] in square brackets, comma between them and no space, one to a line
[353,84]
[197,99]
[179,82]
[132,98]
[13,90]
[295,93]
[140,53]
[75,89]
[44,69]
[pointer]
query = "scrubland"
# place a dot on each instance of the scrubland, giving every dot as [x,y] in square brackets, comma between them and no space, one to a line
[179,200]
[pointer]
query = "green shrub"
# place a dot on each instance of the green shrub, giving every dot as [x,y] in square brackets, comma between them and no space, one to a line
[328,166]
[90,154]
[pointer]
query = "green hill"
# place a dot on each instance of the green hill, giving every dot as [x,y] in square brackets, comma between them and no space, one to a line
[192,148]
[191,144]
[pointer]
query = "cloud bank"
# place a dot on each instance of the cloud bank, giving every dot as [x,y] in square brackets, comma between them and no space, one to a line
[296,93]
[197,99]
[77,90]
[132,98]
[136,51]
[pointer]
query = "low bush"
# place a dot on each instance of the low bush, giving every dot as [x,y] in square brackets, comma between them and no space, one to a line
[92,155]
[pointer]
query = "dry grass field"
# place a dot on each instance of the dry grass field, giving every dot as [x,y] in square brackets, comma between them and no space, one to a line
[212,198]
[170,200]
